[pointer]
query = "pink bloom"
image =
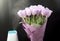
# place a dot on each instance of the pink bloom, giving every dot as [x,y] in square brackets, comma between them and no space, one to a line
[46,12]
[21,13]
[33,10]
[28,11]
[40,8]
[24,13]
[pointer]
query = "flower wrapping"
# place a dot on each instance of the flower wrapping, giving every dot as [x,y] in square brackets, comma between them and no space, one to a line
[34,19]
[35,34]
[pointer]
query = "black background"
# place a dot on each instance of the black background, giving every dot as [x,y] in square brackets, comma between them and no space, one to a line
[6,19]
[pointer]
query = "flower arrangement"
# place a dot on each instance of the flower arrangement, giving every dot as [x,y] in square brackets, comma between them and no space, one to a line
[34,15]
[34,20]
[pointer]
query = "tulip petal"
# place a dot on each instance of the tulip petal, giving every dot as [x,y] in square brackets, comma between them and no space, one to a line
[33,10]
[28,11]
[23,13]
[46,12]
[19,13]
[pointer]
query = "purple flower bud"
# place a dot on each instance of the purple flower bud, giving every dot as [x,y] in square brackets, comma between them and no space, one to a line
[21,13]
[41,7]
[28,11]
[33,10]
[46,12]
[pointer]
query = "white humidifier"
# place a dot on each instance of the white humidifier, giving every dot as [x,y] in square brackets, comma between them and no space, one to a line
[12,35]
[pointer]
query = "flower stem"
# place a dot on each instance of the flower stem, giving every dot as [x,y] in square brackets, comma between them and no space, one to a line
[33,19]
[29,19]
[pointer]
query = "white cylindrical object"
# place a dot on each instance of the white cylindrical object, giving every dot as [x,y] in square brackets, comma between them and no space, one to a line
[12,35]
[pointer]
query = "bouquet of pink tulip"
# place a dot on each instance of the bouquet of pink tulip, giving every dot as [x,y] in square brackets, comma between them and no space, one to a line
[34,19]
